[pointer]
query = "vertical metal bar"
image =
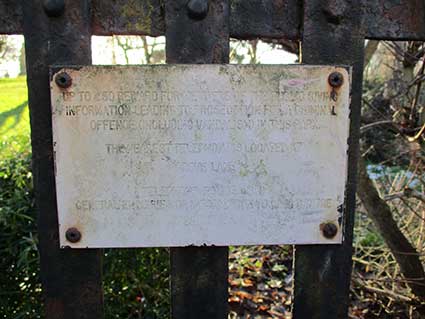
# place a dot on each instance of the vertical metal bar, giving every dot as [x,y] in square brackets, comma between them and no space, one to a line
[198,274]
[57,32]
[331,35]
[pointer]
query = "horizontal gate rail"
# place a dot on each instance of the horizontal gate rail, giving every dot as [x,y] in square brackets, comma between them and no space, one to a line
[381,19]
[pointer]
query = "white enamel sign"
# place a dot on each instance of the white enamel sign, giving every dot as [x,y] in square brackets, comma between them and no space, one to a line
[178,155]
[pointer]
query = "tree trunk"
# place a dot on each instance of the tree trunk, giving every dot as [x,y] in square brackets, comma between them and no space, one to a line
[381,215]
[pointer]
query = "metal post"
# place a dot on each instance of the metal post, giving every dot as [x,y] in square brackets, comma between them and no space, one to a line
[198,32]
[57,32]
[332,35]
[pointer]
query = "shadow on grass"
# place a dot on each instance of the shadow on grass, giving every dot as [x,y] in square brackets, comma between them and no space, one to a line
[15,113]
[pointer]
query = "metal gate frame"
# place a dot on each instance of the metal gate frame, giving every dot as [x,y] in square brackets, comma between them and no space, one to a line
[197,31]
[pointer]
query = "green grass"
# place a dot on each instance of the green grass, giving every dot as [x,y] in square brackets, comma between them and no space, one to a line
[14,118]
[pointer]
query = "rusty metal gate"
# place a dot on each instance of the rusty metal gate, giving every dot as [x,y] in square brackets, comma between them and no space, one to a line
[58,32]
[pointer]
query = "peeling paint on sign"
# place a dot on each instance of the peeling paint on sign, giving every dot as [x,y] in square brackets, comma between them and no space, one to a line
[178,155]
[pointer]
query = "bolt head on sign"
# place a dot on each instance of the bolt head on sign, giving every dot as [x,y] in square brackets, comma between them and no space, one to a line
[73,235]
[336,79]
[329,230]
[63,80]
[179,155]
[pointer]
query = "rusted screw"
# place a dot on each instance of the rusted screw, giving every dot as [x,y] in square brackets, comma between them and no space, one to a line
[73,235]
[335,79]
[54,8]
[329,230]
[197,9]
[63,80]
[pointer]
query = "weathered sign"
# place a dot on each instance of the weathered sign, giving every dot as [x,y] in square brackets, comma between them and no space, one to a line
[178,155]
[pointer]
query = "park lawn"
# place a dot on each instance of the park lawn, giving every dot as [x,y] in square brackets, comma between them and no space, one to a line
[14,117]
